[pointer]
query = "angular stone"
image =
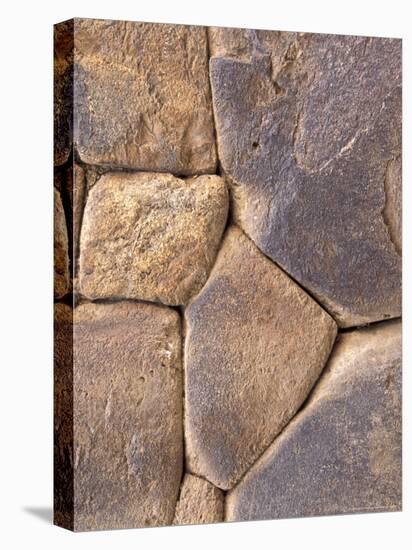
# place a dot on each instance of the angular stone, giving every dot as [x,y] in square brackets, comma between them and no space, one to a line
[255,345]
[151,236]
[342,452]
[309,135]
[63,90]
[199,502]
[142,96]
[61,253]
[128,441]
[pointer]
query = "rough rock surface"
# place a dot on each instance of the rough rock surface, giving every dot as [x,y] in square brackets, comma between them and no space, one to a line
[63,416]
[142,96]
[61,251]
[199,502]
[309,135]
[128,441]
[342,452]
[151,236]
[255,345]
[63,90]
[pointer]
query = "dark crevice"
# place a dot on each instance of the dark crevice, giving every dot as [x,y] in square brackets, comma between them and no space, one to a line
[180,311]
[62,173]
[102,169]
[219,170]
[373,324]
[67,299]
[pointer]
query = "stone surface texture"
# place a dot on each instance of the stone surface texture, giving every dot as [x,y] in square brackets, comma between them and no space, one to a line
[342,452]
[151,236]
[61,249]
[309,136]
[227,219]
[63,91]
[63,508]
[142,96]
[199,502]
[128,441]
[255,344]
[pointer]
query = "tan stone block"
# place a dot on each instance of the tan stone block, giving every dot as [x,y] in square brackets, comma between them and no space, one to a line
[142,96]
[127,415]
[199,502]
[151,236]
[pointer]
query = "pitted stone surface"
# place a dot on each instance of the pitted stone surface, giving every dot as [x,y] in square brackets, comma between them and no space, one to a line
[151,236]
[308,130]
[63,90]
[199,502]
[61,249]
[342,452]
[127,415]
[142,96]
[255,345]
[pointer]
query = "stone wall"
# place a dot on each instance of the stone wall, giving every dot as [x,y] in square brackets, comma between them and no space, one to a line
[227,274]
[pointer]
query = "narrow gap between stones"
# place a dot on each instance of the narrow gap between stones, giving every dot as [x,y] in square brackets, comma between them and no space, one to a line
[62,172]
[102,169]
[373,324]
[218,163]
[180,310]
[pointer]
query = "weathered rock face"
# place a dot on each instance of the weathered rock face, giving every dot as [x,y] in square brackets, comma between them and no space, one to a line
[61,254]
[151,236]
[308,130]
[63,510]
[63,90]
[127,415]
[142,96]
[342,452]
[255,345]
[199,502]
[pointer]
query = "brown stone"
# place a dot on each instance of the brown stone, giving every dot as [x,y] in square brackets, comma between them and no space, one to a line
[63,417]
[72,184]
[309,136]
[151,236]
[142,96]
[128,442]
[255,345]
[342,452]
[61,253]
[199,502]
[63,91]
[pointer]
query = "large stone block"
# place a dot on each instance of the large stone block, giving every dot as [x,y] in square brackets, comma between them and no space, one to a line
[142,96]
[255,344]
[127,441]
[309,135]
[342,452]
[151,236]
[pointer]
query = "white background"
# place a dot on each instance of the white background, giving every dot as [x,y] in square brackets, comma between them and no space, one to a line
[26,274]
